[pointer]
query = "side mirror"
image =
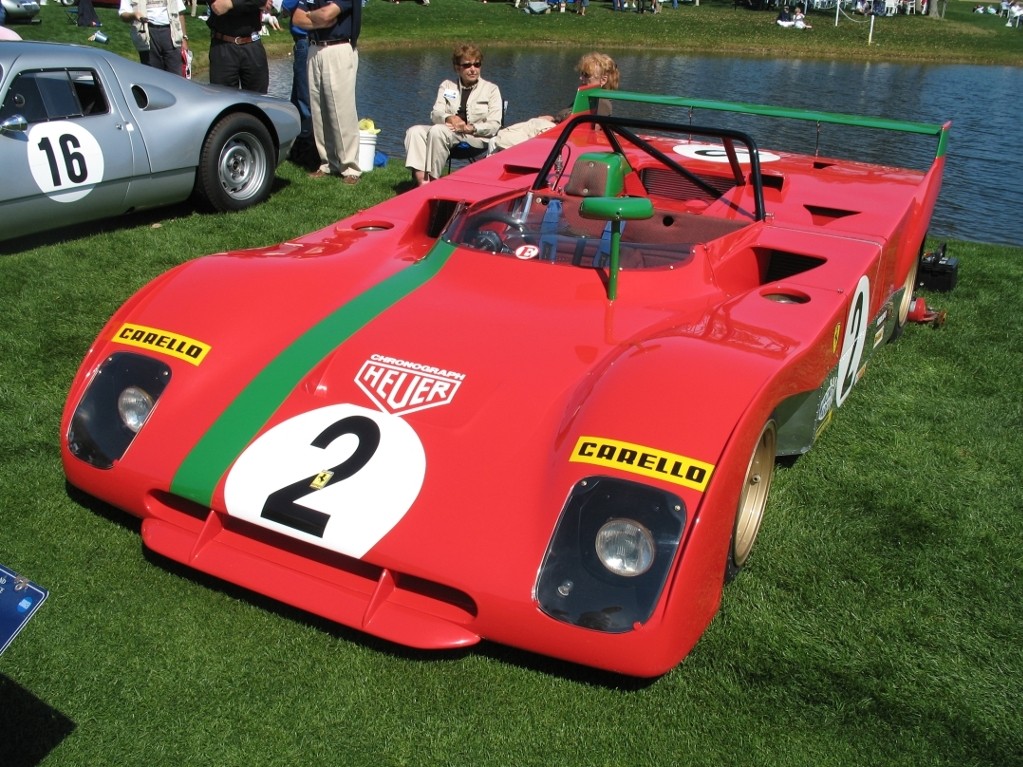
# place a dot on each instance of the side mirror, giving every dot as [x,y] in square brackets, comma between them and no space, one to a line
[615,210]
[14,124]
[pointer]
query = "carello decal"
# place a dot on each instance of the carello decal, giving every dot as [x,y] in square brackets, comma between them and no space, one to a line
[163,342]
[647,461]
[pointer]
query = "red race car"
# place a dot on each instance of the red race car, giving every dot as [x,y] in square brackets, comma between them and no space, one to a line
[538,401]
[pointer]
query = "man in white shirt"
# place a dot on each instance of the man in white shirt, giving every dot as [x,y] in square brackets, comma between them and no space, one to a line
[159,24]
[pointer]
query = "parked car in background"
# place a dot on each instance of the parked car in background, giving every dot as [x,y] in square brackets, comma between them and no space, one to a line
[86,134]
[15,11]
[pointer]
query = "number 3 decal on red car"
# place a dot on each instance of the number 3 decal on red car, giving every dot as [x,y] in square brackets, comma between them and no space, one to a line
[341,477]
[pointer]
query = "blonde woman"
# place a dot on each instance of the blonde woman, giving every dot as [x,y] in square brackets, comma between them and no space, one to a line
[596,70]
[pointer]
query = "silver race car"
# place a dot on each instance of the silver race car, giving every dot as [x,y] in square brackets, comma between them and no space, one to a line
[86,134]
[19,10]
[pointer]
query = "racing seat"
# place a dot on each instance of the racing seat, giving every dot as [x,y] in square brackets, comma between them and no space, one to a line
[598,174]
[595,174]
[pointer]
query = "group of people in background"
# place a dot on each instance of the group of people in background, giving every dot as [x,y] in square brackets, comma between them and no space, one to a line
[794,19]
[326,63]
[470,110]
[1012,11]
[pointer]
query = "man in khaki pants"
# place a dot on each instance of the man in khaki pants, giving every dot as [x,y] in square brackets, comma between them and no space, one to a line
[333,27]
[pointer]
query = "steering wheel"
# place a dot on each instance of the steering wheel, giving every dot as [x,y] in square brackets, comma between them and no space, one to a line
[491,239]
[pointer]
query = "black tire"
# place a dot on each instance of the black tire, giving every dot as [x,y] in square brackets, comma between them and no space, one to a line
[756,487]
[236,165]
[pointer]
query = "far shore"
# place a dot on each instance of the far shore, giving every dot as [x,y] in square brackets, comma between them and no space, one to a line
[714,28]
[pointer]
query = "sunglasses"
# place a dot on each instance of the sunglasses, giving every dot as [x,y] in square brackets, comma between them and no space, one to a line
[470,64]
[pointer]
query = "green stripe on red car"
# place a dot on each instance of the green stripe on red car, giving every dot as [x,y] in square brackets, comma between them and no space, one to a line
[199,473]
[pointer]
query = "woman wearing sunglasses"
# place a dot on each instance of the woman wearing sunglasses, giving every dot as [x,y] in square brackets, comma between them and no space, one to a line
[467,109]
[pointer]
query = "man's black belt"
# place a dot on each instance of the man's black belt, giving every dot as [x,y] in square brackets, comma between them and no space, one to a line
[335,41]
[244,40]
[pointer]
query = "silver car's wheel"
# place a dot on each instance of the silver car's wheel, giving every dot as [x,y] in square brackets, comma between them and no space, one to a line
[752,500]
[236,168]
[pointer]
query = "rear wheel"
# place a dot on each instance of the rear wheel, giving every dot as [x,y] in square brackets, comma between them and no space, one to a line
[752,500]
[236,167]
[906,302]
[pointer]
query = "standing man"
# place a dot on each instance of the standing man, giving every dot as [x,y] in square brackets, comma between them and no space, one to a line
[129,13]
[333,27]
[159,27]
[303,148]
[237,56]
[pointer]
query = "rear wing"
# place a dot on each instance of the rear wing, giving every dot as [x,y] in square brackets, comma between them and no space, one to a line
[585,102]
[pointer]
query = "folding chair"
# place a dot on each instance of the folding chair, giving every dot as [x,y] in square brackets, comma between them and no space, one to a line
[463,151]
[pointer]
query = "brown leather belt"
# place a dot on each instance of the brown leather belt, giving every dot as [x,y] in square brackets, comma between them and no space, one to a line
[236,40]
[335,41]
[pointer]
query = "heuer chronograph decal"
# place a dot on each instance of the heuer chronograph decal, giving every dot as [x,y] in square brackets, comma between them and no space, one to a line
[341,477]
[65,159]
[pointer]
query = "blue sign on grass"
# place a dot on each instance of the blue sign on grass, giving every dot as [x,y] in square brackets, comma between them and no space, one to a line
[19,600]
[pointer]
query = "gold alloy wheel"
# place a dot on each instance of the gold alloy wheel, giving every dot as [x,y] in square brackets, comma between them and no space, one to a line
[753,499]
[907,293]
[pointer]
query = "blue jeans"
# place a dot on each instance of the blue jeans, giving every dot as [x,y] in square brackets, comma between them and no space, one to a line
[300,83]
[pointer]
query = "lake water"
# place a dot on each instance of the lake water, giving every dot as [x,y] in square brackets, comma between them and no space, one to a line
[978,201]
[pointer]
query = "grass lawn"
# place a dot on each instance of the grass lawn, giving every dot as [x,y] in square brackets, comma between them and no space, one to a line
[715,27]
[875,624]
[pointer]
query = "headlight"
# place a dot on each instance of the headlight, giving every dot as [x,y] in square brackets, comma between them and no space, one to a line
[610,555]
[122,394]
[134,406]
[625,547]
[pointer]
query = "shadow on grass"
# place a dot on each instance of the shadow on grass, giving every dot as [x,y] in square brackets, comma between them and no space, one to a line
[29,729]
[61,234]
[103,509]
[499,653]
[144,218]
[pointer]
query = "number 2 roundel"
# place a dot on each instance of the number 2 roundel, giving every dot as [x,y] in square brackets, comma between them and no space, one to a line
[854,341]
[65,159]
[340,477]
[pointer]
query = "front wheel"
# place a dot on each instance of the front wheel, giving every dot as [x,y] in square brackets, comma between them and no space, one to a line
[236,164]
[752,500]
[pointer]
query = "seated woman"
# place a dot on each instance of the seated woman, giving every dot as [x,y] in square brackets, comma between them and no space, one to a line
[596,70]
[468,110]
